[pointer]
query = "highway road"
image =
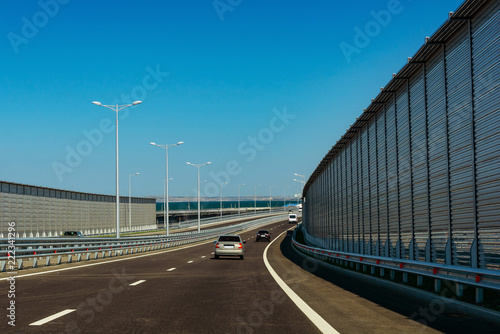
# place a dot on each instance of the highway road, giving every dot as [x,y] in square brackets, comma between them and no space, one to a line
[185,290]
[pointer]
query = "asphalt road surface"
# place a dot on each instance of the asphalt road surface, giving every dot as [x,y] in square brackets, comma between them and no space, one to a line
[185,290]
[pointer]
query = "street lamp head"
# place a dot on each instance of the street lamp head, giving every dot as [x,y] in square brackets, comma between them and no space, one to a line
[179,143]
[152,143]
[97,103]
[188,163]
[137,173]
[208,163]
[136,102]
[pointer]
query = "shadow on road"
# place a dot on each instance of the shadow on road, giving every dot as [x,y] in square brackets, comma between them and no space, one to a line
[404,304]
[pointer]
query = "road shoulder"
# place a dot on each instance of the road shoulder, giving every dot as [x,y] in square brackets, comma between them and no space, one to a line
[343,309]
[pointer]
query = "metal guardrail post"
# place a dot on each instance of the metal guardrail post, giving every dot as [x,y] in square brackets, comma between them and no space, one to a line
[479,295]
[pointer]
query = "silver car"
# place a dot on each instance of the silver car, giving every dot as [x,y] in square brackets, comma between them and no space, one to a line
[230,245]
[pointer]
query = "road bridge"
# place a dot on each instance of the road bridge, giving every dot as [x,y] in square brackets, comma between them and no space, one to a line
[406,200]
[178,216]
[185,289]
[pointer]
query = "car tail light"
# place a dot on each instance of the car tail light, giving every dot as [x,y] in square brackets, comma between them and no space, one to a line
[217,245]
[240,245]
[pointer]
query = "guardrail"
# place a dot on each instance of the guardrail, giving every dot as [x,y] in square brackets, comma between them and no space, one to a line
[153,228]
[14,252]
[478,278]
[191,223]
[206,221]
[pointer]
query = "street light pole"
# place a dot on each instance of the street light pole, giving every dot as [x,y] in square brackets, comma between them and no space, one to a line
[116,108]
[284,204]
[270,198]
[239,210]
[165,191]
[221,198]
[130,201]
[303,182]
[198,166]
[255,199]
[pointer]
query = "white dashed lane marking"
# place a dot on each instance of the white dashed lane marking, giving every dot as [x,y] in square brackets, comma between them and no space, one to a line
[171,269]
[190,261]
[203,257]
[52,317]
[137,283]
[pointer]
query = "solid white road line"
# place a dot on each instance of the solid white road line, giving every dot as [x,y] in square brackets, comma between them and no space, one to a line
[171,269]
[52,317]
[316,319]
[137,283]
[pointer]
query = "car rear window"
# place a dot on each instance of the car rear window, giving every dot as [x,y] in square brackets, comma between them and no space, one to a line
[293,216]
[70,233]
[263,231]
[229,238]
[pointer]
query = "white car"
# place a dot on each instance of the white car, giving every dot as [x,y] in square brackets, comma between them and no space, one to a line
[231,245]
[292,218]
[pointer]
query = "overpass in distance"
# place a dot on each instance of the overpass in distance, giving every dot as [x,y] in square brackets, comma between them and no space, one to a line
[400,230]
[177,216]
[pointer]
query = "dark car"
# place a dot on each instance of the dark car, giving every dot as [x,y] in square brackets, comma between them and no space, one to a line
[72,234]
[263,234]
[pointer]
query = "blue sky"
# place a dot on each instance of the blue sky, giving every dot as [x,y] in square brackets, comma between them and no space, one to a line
[262,89]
